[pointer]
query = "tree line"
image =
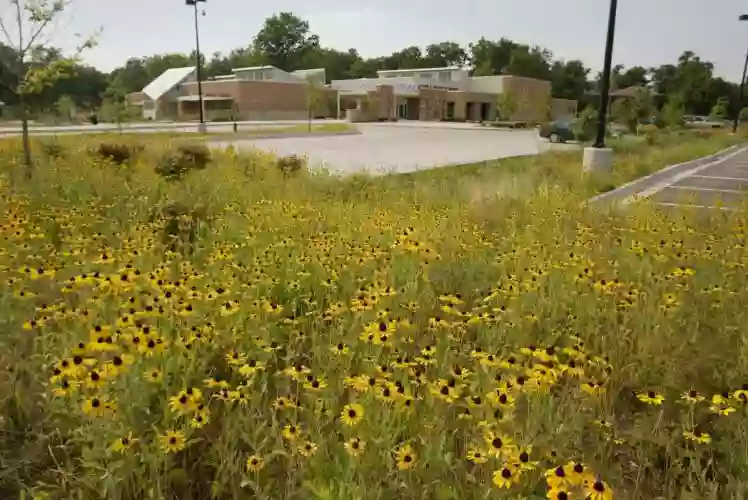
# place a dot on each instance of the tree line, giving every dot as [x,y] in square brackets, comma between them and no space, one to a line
[287,42]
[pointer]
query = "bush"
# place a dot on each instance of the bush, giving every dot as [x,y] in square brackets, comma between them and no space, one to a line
[290,165]
[651,133]
[181,225]
[174,165]
[197,155]
[118,153]
[53,149]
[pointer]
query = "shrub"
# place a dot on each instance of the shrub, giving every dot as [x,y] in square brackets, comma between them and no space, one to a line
[197,155]
[650,133]
[53,149]
[291,164]
[181,225]
[174,165]
[117,152]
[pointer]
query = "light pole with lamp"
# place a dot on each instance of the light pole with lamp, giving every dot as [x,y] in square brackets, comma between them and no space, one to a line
[201,126]
[743,17]
[598,157]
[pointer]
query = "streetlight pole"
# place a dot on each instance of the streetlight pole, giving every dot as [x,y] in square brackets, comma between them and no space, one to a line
[201,127]
[743,17]
[604,91]
[598,157]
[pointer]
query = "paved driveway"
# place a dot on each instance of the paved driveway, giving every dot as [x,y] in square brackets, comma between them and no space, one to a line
[397,148]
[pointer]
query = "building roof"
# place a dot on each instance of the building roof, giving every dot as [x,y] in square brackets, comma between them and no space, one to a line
[167,81]
[417,70]
[252,68]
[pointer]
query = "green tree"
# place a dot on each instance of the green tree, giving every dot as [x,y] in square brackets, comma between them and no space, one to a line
[673,111]
[720,109]
[487,54]
[65,108]
[314,95]
[569,79]
[506,106]
[531,62]
[284,41]
[34,69]
[636,76]
[439,55]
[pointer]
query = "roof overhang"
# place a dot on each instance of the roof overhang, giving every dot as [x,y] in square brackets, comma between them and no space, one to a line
[196,98]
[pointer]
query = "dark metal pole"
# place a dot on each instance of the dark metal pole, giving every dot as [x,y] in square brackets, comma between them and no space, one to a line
[740,96]
[199,66]
[603,114]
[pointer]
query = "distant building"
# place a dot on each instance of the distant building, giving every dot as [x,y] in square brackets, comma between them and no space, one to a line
[256,93]
[269,93]
[448,93]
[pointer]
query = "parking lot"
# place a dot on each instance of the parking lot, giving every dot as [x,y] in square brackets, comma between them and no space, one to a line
[402,147]
[720,186]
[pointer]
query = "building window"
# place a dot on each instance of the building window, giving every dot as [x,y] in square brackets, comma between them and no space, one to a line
[444,77]
[149,104]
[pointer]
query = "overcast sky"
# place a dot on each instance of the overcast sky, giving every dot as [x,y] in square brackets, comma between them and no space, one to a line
[649,32]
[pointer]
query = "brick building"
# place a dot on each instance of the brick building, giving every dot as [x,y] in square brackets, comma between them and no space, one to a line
[446,94]
[269,93]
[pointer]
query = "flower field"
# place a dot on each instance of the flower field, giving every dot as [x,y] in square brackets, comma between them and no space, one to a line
[244,333]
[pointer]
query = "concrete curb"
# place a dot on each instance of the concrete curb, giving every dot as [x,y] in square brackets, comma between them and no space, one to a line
[651,184]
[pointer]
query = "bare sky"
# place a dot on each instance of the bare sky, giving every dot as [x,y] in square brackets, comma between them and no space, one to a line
[649,32]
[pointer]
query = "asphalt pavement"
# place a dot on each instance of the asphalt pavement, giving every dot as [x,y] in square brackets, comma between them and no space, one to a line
[718,186]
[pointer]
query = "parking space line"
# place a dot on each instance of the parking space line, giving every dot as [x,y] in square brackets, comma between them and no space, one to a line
[656,188]
[713,190]
[694,206]
[721,178]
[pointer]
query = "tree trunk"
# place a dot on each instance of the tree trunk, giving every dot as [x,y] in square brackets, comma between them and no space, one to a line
[25,135]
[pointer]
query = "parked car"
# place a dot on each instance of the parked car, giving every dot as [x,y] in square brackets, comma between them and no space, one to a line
[567,130]
[558,131]
[703,122]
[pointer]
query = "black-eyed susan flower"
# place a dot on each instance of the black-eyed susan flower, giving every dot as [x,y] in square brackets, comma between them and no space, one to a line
[154,376]
[721,405]
[352,414]
[405,457]
[340,348]
[255,463]
[172,441]
[354,446]
[200,419]
[506,477]
[477,455]
[598,490]
[291,432]
[697,436]
[692,397]
[307,449]
[651,398]
[97,407]
[123,444]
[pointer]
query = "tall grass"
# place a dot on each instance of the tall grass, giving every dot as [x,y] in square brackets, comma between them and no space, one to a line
[242,333]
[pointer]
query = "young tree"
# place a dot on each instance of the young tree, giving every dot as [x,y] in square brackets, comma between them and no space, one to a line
[720,109]
[65,108]
[314,96]
[673,111]
[506,105]
[25,32]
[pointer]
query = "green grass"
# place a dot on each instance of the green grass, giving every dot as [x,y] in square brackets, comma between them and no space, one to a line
[633,158]
[486,329]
